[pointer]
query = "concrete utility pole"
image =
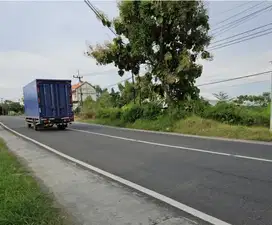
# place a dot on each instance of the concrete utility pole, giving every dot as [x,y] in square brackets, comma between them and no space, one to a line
[270,99]
[80,81]
[2,107]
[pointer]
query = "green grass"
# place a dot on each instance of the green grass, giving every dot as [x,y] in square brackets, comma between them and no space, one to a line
[196,126]
[205,127]
[21,200]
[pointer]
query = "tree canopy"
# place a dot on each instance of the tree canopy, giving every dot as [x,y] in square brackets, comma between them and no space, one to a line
[165,36]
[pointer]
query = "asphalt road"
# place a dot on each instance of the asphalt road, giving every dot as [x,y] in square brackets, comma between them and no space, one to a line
[236,190]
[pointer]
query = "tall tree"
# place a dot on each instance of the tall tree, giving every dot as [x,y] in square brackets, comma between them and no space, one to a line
[258,100]
[166,36]
[222,96]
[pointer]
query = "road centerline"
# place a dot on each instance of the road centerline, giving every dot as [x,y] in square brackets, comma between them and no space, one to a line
[175,146]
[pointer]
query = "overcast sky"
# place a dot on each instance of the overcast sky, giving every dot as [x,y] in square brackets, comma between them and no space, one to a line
[47,39]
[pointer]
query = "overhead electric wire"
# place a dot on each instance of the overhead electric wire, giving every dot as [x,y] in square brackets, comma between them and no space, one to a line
[235,78]
[237,14]
[236,85]
[97,13]
[243,40]
[239,21]
[239,34]
[98,73]
[112,85]
[228,10]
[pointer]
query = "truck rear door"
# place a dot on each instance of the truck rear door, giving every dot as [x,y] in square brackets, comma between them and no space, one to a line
[55,99]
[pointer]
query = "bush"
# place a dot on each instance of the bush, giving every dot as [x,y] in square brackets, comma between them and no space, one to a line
[187,108]
[151,111]
[225,113]
[133,113]
[109,113]
[233,114]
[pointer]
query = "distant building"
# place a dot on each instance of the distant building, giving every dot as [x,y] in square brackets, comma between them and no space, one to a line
[85,89]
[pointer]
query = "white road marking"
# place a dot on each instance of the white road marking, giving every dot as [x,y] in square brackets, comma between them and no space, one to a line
[180,134]
[125,182]
[175,146]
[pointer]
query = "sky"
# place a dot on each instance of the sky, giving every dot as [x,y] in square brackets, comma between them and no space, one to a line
[47,39]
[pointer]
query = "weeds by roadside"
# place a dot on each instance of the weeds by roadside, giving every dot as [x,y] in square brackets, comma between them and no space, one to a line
[194,125]
[22,202]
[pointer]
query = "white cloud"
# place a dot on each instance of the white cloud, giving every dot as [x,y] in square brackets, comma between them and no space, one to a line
[48,41]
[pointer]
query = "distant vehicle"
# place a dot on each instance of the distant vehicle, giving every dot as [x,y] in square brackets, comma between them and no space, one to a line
[48,103]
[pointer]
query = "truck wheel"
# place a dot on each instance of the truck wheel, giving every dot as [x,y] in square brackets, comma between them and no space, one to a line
[36,127]
[61,127]
[29,125]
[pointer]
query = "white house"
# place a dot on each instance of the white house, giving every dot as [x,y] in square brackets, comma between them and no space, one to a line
[85,89]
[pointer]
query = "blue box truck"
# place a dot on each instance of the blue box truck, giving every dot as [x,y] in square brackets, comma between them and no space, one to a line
[48,103]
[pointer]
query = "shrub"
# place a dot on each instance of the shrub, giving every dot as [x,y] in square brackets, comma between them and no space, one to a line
[224,112]
[233,114]
[151,111]
[187,108]
[131,114]
[109,113]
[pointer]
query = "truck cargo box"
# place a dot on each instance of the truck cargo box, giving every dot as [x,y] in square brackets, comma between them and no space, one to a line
[48,102]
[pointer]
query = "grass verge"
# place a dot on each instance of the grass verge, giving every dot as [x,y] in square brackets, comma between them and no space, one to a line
[196,126]
[21,199]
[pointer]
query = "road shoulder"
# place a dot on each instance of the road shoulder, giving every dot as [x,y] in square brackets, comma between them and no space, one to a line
[88,197]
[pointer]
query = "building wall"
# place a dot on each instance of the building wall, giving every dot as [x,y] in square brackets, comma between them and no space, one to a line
[87,90]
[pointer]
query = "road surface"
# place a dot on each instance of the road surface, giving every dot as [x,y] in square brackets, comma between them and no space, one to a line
[231,181]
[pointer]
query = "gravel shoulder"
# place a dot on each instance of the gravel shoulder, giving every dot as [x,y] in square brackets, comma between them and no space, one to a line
[88,197]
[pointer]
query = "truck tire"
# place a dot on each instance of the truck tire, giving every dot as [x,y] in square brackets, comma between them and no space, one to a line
[36,127]
[61,127]
[29,125]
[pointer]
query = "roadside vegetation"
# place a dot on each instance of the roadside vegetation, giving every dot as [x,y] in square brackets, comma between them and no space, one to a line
[11,108]
[225,119]
[22,201]
[168,39]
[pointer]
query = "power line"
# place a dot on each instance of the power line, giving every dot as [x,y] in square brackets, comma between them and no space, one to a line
[92,74]
[239,34]
[235,78]
[97,13]
[236,85]
[242,40]
[237,14]
[228,10]
[92,7]
[112,85]
[239,21]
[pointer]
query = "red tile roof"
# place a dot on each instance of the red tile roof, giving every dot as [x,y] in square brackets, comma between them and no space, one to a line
[75,86]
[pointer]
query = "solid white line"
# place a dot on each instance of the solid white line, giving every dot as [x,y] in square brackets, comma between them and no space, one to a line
[175,146]
[180,134]
[130,184]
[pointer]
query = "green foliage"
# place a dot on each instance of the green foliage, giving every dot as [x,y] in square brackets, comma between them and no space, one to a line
[257,100]
[133,113]
[151,111]
[22,200]
[89,108]
[221,96]
[233,114]
[109,113]
[11,108]
[167,36]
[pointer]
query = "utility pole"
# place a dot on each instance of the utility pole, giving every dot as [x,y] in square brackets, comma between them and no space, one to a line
[134,91]
[271,100]
[2,107]
[80,81]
